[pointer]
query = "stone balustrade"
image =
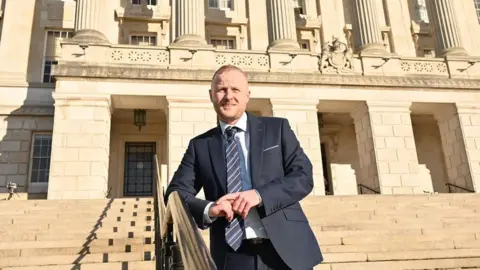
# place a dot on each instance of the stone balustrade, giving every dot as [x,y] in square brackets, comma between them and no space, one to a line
[295,62]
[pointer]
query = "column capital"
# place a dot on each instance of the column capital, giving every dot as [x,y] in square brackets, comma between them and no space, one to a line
[188,102]
[294,104]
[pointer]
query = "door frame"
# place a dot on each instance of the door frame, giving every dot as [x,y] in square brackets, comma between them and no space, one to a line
[125,168]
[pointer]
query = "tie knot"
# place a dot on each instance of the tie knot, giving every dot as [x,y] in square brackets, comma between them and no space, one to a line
[230,131]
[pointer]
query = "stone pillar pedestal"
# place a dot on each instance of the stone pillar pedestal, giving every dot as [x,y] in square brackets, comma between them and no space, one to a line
[445,28]
[302,116]
[88,21]
[187,118]
[282,25]
[190,22]
[386,147]
[460,132]
[80,147]
[366,29]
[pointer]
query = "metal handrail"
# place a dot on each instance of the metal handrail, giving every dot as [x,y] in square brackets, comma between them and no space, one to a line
[449,185]
[368,188]
[191,246]
[178,242]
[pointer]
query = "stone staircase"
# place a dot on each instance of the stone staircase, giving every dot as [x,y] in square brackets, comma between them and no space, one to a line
[393,232]
[77,234]
[374,232]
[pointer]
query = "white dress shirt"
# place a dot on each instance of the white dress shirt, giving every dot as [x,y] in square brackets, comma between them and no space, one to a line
[253,225]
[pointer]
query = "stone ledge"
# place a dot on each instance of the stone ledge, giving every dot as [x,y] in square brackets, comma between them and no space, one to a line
[76,70]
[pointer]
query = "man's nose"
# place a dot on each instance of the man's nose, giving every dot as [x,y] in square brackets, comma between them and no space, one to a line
[228,94]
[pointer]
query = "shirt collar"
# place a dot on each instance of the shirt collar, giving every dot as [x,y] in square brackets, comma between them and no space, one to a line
[241,124]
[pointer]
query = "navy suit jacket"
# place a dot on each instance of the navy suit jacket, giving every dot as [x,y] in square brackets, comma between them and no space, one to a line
[282,175]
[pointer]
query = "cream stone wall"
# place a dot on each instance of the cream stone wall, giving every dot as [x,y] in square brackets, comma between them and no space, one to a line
[16,133]
[80,147]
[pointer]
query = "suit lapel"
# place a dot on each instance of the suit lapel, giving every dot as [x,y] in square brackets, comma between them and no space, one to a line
[257,138]
[217,157]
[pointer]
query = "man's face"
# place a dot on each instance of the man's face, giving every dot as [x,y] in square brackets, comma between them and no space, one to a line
[230,95]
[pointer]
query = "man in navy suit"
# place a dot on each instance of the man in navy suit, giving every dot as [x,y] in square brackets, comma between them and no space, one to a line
[254,173]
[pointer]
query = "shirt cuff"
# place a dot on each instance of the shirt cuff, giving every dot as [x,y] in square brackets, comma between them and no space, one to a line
[259,197]
[206,218]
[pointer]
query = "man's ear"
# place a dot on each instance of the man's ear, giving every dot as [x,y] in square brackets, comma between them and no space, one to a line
[210,94]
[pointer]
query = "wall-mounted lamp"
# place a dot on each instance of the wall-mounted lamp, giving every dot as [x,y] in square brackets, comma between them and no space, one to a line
[140,118]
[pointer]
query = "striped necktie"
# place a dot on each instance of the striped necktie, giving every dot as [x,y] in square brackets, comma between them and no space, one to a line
[234,231]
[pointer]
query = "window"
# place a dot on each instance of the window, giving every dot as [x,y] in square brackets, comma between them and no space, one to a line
[47,71]
[298,7]
[52,49]
[220,4]
[477,9]
[223,43]
[304,45]
[144,40]
[421,9]
[149,2]
[429,53]
[42,149]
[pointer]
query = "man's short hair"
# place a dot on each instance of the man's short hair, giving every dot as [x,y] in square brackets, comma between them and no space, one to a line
[226,68]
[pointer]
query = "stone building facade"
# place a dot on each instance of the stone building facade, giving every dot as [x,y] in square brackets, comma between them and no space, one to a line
[382,94]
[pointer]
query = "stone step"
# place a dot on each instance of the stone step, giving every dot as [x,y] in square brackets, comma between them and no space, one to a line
[32,252]
[135,265]
[76,259]
[77,243]
[49,213]
[401,255]
[387,247]
[62,225]
[40,236]
[108,219]
[437,264]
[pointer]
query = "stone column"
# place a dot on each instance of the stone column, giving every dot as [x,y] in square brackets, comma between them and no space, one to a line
[190,22]
[459,130]
[302,116]
[187,118]
[283,27]
[386,149]
[445,27]
[80,147]
[88,21]
[18,26]
[366,30]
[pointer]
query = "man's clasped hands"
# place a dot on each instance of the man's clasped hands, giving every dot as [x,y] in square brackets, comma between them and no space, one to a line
[235,203]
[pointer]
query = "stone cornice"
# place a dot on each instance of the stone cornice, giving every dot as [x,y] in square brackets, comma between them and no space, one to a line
[135,73]
[27,110]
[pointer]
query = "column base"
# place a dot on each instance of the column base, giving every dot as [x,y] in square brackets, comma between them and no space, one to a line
[191,40]
[454,51]
[284,44]
[90,36]
[372,49]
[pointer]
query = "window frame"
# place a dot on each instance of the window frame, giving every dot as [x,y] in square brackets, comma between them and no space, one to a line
[223,38]
[143,35]
[38,187]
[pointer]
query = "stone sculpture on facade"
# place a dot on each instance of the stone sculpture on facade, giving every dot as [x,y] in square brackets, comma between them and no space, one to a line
[336,57]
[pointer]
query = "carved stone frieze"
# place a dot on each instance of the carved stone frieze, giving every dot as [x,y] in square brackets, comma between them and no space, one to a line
[72,70]
[336,58]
